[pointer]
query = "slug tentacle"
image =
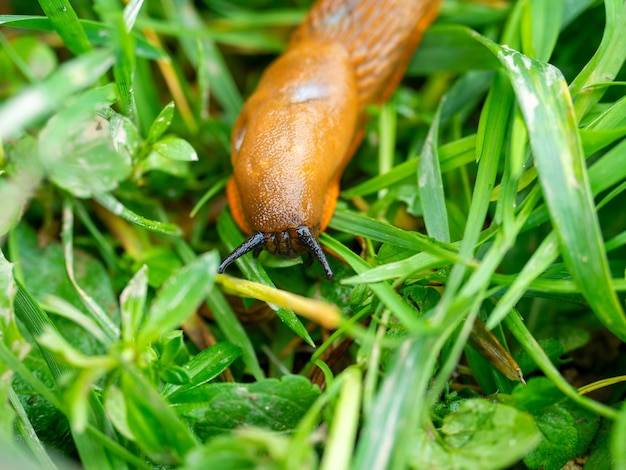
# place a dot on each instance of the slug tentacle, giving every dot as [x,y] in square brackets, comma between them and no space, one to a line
[307,239]
[254,243]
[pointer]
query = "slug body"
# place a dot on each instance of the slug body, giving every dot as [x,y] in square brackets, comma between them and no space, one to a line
[301,126]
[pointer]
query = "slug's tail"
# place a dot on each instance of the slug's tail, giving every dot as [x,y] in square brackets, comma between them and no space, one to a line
[258,240]
[380,38]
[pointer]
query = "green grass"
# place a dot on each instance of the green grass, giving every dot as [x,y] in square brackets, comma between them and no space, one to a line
[481,230]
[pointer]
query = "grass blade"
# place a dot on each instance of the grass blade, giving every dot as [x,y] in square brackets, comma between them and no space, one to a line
[398,407]
[431,185]
[66,23]
[560,162]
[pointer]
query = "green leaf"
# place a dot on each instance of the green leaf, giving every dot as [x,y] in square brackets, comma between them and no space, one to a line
[38,57]
[600,455]
[161,123]
[76,148]
[159,162]
[161,263]
[272,404]
[173,374]
[544,23]
[125,136]
[204,367]
[451,156]
[175,148]
[115,406]
[179,297]
[247,449]
[479,434]
[567,428]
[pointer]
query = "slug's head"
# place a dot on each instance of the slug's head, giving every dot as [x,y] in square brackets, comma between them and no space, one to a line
[289,243]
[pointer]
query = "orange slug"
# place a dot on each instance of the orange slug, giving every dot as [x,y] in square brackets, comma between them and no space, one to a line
[300,128]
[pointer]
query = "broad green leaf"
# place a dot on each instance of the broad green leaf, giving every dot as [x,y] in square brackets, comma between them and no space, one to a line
[204,367]
[76,148]
[479,434]
[600,455]
[566,427]
[246,449]
[159,162]
[270,403]
[161,262]
[125,136]
[175,148]
[38,57]
[115,406]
